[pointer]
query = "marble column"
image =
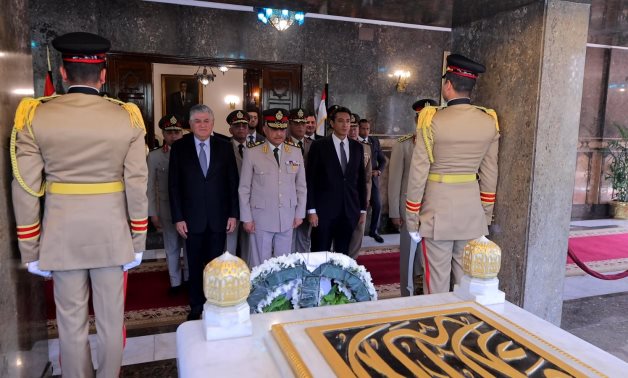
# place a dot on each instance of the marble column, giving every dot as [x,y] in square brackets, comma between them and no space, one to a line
[534,52]
[23,336]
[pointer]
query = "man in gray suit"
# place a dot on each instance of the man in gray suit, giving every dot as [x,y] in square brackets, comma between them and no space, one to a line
[159,203]
[238,120]
[272,190]
[297,126]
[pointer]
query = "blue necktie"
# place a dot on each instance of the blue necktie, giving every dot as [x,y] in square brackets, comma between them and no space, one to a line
[343,157]
[202,158]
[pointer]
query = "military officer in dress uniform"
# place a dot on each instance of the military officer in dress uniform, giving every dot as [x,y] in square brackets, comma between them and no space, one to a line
[238,241]
[410,263]
[272,190]
[159,202]
[453,175]
[95,213]
[358,233]
[297,120]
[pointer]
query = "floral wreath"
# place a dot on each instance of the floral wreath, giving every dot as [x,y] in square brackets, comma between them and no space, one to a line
[308,280]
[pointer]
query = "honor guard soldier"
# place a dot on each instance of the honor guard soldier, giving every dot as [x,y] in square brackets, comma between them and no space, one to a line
[95,214]
[410,264]
[297,123]
[358,233]
[453,175]
[272,190]
[238,242]
[159,201]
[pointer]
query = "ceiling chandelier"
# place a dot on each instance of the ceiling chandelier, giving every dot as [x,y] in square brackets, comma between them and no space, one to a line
[205,77]
[280,19]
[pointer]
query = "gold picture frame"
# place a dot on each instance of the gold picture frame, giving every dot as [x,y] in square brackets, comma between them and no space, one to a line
[172,103]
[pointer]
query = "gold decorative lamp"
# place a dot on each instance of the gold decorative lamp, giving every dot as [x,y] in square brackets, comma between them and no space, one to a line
[226,285]
[481,260]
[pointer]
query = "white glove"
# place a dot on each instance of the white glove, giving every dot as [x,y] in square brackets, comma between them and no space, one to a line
[134,263]
[33,267]
[415,236]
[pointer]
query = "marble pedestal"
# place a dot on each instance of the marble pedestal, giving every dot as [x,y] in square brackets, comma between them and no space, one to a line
[482,291]
[226,322]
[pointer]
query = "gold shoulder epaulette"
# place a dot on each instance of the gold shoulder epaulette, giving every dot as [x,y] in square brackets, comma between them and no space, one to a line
[424,126]
[290,143]
[134,112]
[405,137]
[254,144]
[24,115]
[490,112]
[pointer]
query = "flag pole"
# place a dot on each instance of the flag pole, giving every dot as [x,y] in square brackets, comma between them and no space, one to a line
[326,97]
[48,57]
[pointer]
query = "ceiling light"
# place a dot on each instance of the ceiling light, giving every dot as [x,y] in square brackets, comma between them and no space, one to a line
[280,19]
[205,77]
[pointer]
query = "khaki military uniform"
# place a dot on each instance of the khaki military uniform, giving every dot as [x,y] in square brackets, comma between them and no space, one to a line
[445,202]
[272,196]
[238,240]
[301,241]
[358,233]
[93,160]
[410,263]
[159,205]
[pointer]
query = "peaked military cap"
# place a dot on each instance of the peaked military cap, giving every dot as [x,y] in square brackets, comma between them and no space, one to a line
[298,115]
[276,118]
[420,104]
[81,47]
[355,119]
[465,67]
[170,122]
[238,116]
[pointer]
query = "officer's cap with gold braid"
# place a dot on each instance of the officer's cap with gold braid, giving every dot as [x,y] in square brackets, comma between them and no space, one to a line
[354,120]
[276,118]
[462,66]
[298,115]
[170,122]
[81,47]
[238,116]
[420,104]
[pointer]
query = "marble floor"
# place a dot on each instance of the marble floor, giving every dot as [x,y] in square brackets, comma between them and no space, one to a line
[593,310]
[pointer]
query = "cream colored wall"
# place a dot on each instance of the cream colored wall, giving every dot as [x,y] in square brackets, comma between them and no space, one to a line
[231,83]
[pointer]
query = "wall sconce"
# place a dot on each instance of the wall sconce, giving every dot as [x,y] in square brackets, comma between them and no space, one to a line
[205,77]
[280,19]
[402,80]
[223,69]
[232,101]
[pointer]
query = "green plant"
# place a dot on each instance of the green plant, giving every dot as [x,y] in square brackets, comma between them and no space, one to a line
[280,303]
[334,297]
[618,169]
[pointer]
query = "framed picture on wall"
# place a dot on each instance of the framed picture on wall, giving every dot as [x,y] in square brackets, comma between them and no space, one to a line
[178,94]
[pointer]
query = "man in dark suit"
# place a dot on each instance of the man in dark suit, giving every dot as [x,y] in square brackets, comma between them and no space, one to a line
[336,186]
[310,128]
[181,102]
[379,163]
[203,183]
[254,135]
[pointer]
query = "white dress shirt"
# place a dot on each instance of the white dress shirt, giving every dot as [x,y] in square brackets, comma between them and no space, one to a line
[337,141]
[272,150]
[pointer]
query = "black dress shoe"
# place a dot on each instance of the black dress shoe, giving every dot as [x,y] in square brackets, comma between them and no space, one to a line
[173,291]
[194,314]
[377,237]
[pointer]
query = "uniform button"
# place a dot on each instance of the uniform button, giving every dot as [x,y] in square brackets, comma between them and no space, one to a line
[279,194]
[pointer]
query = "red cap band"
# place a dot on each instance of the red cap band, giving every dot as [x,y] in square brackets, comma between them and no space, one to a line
[460,72]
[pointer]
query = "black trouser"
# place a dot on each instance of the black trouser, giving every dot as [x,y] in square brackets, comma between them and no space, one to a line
[376,206]
[339,230]
[201,249]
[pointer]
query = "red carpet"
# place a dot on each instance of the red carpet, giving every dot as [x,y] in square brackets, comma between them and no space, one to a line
[384,267]
[599,248]
[144,291]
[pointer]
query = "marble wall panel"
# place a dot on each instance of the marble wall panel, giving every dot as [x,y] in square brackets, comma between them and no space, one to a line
[23,344]
[358,69]
[594,97]
[617,95]
[534,53]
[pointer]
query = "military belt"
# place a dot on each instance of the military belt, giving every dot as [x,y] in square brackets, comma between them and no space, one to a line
[453,178]
[87,188]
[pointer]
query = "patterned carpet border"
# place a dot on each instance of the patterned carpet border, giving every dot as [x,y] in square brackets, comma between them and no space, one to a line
[604,266]
[598,232]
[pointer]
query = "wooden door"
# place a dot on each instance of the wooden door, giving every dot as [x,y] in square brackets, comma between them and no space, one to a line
[281,87]
[130,80]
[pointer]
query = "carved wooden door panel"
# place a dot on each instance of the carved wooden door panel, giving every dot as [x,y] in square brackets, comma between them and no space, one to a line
[130,80]
[281,87]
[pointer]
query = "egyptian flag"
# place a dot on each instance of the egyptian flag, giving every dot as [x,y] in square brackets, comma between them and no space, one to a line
[49,87]
[321,114]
